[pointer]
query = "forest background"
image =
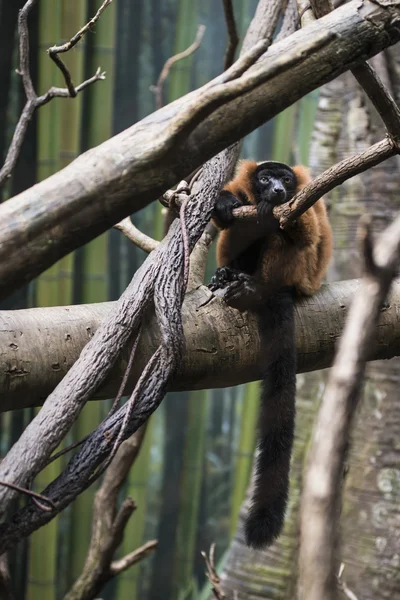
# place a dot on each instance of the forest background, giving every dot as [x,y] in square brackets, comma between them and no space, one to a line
[194,465]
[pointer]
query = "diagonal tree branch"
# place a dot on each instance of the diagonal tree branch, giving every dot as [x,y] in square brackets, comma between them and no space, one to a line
[158,88]
[327,181]
[323,482]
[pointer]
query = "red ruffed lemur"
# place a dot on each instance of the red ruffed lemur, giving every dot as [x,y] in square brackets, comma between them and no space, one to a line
[263,268]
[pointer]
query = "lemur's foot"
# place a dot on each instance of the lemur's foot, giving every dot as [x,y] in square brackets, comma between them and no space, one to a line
[223,277]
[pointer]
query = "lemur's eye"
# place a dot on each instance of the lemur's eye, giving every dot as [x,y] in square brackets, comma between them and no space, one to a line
[286,180]
[264,180]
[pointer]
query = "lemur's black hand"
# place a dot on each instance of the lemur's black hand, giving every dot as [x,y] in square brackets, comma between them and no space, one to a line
[223,208]
[266,216]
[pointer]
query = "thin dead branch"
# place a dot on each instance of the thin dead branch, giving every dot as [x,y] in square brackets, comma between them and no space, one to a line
[33,102]
[158,88]
[233,38]
[331,178]
[41,501]
[54,51]
[108,526]
[212,574]
[323,483]
[118,566]
[137,237]
[343,585]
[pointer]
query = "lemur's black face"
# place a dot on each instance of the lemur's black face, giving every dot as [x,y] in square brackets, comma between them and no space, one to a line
[274,183]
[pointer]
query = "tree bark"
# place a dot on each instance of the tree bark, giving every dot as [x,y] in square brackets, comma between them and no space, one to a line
[120,176]
[222,345]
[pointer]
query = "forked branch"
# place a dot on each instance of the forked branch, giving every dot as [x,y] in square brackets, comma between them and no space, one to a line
[33,101]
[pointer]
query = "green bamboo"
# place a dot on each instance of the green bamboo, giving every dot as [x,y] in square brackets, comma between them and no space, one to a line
[42,566]
[137,488]
[245,450]
[189,490]
[307,112]
[96,120]
[283,145]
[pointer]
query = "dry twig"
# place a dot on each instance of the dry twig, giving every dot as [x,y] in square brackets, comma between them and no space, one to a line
[212,574]
[322,491]
[158,88]
[5,580]
[41,501]
[137,237]
[343,585]
[33,101]
[54,51]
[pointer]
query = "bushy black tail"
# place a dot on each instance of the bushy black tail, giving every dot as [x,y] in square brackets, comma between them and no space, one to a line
[276,423]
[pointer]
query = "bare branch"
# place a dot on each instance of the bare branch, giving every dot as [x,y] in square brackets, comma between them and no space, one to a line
[233,38]
[333,177]
[118,566]
[109,525]
[137,237]
[158,88]
[212,574]
[323,482]
[343,586]
[381,99]
[41,501]
[54,51]
[34,101]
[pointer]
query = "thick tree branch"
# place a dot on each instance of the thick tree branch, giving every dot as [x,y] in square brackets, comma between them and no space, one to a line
[323,483]
[63,206]
[222,346]
[33,101]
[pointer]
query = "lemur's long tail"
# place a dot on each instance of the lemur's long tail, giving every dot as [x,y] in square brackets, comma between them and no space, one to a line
[276,423]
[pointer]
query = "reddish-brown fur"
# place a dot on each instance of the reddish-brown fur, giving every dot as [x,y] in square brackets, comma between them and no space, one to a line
[298,256]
